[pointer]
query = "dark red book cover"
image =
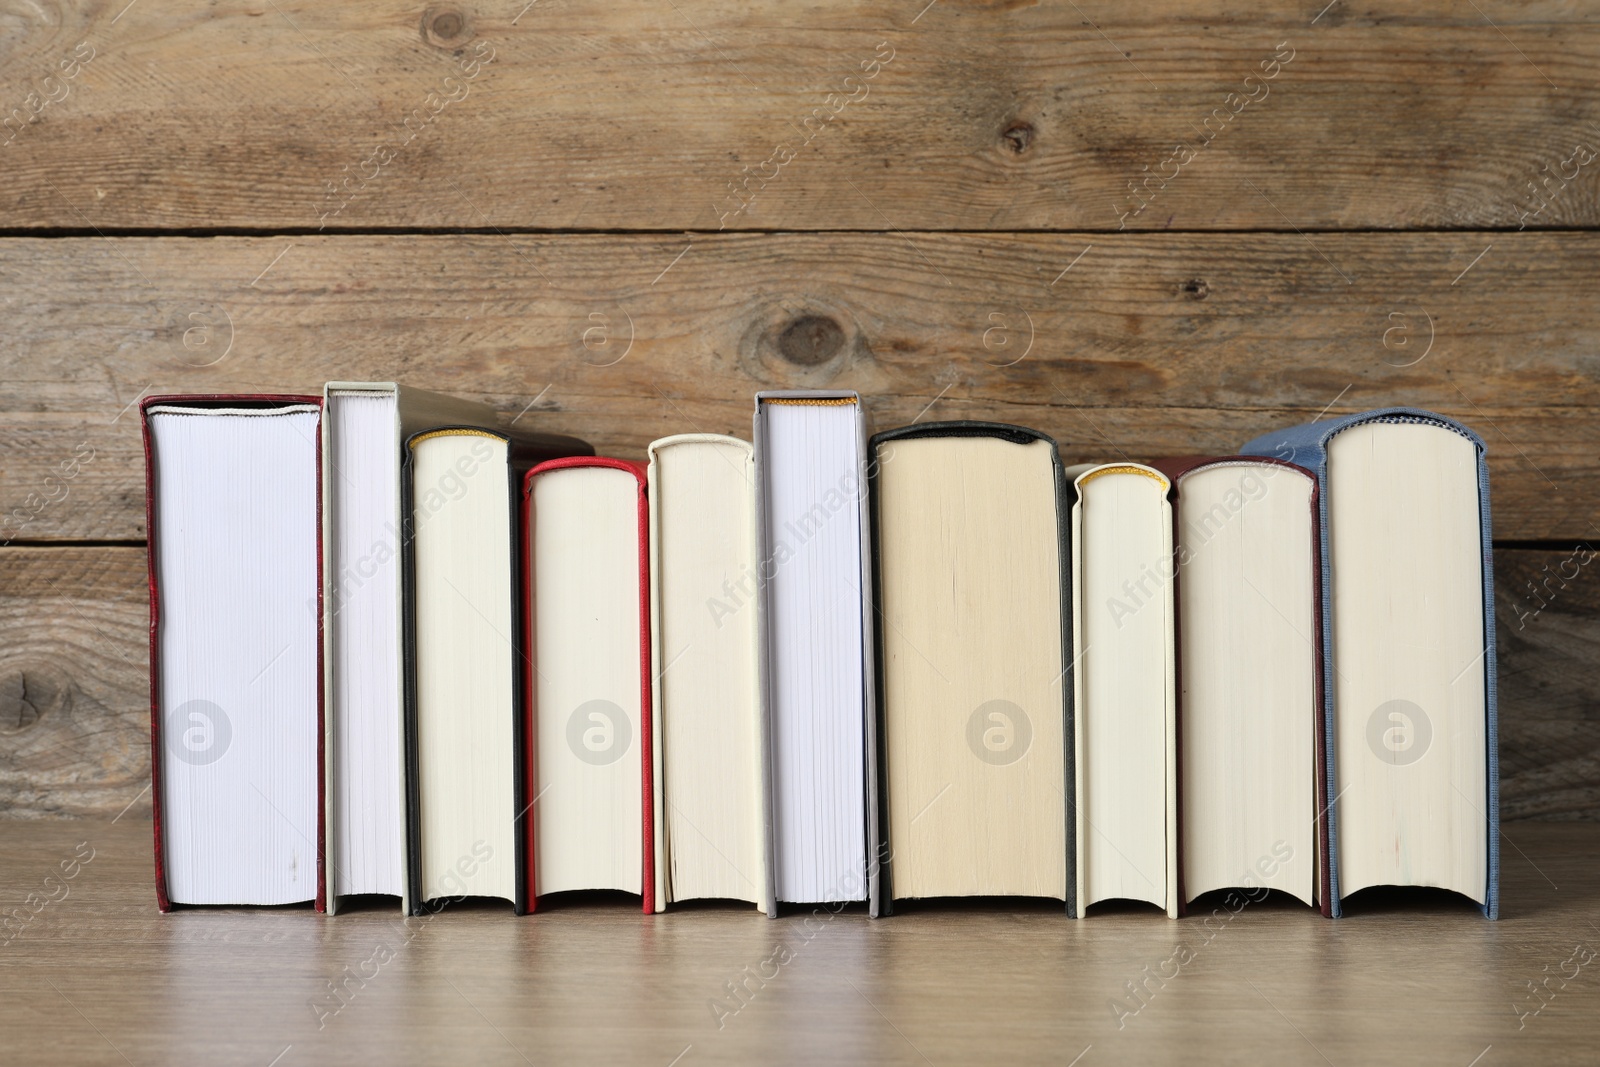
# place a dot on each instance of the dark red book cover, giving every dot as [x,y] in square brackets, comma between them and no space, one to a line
[219,400]
[646,741]
[1175,468]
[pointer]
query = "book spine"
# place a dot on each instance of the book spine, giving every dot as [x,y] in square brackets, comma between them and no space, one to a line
[764,662]
[528,839]
[1322,771]
[881,858]
[1491,900]
[163,902]
[657,799]
[324,896]
[519,538]
[327,569]
[408,616]
[1170,606]
[1074,681]
[877,890]
[1066,496]
[646,704]
[1181,906]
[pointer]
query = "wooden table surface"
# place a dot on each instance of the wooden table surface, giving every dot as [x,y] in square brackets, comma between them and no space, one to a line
[100,977]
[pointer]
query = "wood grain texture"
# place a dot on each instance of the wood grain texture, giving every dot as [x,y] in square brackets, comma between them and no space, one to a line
[74,682]
[1547,606]
[75,713]
[1148,345]
[563,114]
[100,977]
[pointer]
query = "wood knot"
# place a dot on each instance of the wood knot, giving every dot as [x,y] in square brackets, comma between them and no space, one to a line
[446,27]
[810,340]
[802,342]
[1018,137]
[1195,289]
[27,696]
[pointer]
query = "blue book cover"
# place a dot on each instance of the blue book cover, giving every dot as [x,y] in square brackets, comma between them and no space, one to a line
[1307,446]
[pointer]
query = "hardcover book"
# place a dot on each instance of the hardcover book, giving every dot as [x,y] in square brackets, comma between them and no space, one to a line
[465,699]
[816,649]
[587,604]
[1247,627]
[704,583]
[1124,686]
[235,672]
[1408,651]
[364,429]
[973,638]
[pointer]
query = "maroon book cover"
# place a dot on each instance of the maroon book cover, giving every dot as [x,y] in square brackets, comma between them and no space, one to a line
[218,400]
[1175,468]
[646,741]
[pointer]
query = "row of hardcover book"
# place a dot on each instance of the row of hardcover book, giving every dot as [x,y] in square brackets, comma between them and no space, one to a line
[397,649]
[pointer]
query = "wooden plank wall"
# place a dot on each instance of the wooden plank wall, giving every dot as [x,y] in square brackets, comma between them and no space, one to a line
[1144,228]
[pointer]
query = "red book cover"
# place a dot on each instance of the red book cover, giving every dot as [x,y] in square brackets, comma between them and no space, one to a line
[646,741]
[218,400]
[1175,468]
